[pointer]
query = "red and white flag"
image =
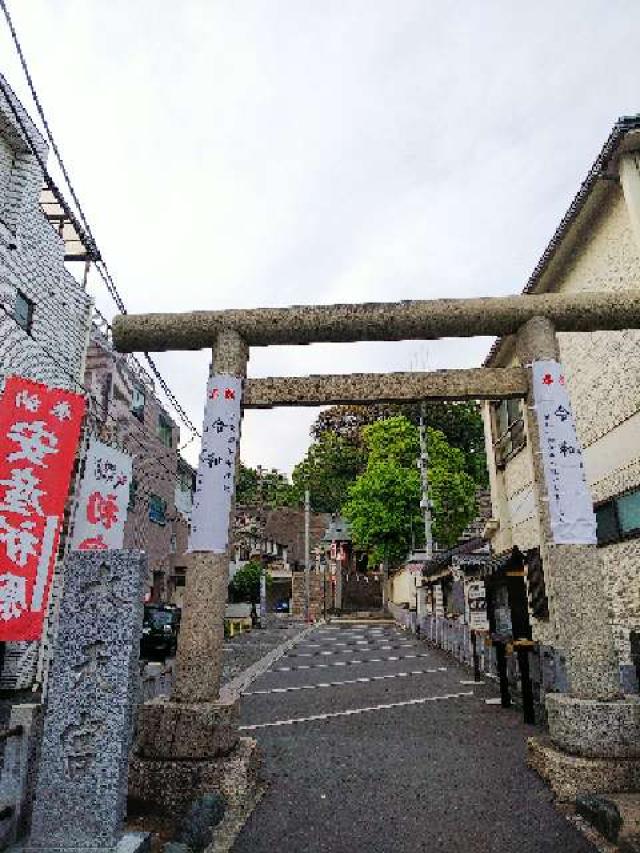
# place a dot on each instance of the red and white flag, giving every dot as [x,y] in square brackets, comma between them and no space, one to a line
[39,432]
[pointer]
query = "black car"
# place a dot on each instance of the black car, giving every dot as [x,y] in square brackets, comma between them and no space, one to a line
[160,630]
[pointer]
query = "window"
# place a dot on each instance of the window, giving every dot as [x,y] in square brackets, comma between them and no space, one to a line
[133,488]
[508,430]
[157,510]
[24,311]
[137,403]
[619,518]
[165,430]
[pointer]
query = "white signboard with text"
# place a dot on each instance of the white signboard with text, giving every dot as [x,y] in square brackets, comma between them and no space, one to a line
[217,465]
[477,606]
[573,520]
[103,501]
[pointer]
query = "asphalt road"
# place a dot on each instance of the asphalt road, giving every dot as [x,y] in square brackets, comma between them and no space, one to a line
[375,742]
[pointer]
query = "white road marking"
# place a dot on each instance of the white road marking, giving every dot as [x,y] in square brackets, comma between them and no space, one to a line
[495,701]
[471,682]
[361,680]
[352,711]
[355,661]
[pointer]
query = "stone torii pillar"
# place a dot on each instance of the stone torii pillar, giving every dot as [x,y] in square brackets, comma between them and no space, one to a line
[199,655]
[594,730]
[189,745]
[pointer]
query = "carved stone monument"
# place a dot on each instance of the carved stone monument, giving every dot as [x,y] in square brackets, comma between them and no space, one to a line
[81,788]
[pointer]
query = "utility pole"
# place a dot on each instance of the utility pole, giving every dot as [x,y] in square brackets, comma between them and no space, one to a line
[425,503]
[307,557]
[262,547]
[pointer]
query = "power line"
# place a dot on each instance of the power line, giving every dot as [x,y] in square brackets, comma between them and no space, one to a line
[99,262]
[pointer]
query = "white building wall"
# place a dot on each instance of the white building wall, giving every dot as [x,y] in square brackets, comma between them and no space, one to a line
[32,261]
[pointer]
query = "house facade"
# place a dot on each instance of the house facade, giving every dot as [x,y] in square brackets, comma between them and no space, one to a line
[45,314]
[128,414]
[596,247]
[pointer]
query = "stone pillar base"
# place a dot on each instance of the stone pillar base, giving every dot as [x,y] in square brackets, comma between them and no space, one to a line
[184,730]
[595,729]
[569,775]
[168,786]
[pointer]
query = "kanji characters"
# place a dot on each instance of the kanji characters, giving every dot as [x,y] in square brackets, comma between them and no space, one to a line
[229,394]
[78,745]
[102,509]
[93,543]
[562,413]
[547,379]
[61,410]
[22,494]
[94,659]
[20,541]
[13,596]
[25,400]
[35,440]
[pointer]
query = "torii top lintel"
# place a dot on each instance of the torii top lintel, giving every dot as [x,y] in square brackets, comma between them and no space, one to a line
[379,321]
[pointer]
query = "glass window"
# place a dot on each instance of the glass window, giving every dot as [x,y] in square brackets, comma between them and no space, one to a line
[24,311]
[165,430]
[133,488]
[157,510]
[508,429]
[137,403]
[607,523]
[629,512]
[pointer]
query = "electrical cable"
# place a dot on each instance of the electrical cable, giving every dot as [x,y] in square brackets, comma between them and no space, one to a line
[99,262]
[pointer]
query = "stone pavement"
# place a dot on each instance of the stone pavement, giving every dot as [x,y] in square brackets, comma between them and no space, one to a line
[375,742]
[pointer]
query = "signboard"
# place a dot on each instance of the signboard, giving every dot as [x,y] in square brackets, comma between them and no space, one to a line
[103,499]
[573,520]
[477,606]
[217,465]
[39,431]
[438,600]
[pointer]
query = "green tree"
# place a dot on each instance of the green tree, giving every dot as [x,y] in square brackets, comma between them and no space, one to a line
[384,502]
[330,466]
[245,584]
[460,422]
[271,488]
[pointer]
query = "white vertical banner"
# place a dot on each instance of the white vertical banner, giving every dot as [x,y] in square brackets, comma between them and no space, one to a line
[217,465]
[104,497]
[573,520]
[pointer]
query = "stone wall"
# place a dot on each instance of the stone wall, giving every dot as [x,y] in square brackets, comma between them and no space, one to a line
[316,595]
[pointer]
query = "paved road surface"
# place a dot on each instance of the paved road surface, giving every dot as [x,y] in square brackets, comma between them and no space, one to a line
[375,742]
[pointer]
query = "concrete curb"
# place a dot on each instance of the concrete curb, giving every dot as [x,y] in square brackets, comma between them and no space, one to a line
[234,688]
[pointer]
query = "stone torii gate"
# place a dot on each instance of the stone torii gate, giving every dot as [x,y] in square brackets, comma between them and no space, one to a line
[595,732]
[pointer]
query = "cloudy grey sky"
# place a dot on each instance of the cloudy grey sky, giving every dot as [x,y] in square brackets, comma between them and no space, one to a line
[247,153]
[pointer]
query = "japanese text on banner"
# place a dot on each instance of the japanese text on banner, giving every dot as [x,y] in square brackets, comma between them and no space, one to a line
[104,498]
[217,465]
[39,431]
[571,512]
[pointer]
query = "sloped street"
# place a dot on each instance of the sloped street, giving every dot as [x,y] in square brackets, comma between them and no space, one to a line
[375,742]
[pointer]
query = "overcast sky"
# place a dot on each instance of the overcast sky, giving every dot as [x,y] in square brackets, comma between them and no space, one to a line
[244,154]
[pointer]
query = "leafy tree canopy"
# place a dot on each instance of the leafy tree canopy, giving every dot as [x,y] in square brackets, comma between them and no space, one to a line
[245,584]
[460,422]
[384,502]
[330,466]
[271,488]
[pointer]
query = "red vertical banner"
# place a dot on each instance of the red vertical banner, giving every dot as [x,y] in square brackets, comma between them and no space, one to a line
[39,432]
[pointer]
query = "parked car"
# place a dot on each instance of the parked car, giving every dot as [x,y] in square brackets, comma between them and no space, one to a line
[282,606]
[160,627]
